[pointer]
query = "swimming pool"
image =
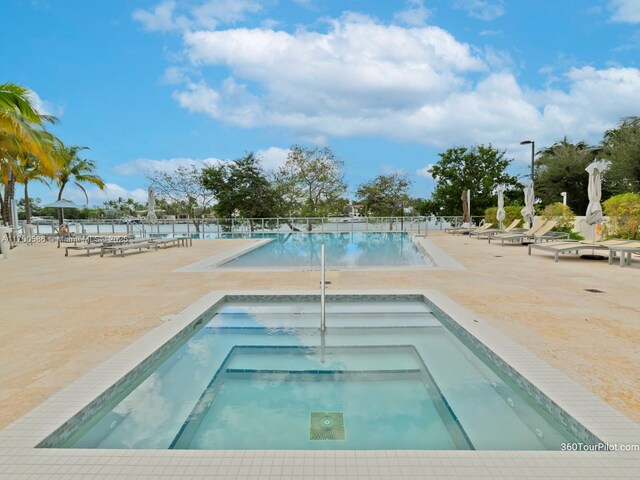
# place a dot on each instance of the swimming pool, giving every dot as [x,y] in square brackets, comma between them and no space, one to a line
[301,251]
[390,373]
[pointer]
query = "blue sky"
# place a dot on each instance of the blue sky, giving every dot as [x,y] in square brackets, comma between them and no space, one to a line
[386,84]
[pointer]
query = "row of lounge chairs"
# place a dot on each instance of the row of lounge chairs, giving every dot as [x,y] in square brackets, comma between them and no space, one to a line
[129,244]
[542,237]
[541,231]
[625,248]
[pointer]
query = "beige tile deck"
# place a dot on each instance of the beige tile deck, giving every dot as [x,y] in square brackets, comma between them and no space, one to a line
[60,316]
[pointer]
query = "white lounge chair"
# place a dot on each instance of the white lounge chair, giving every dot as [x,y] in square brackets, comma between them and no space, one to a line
[558,248]
[537,225]
[511,228]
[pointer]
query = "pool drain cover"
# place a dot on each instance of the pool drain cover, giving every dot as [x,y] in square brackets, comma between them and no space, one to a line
[326,426]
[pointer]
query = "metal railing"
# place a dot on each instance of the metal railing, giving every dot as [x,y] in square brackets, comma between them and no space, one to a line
[223,227]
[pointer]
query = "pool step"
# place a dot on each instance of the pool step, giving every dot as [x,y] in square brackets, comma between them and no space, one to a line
[311,319]
[192,424]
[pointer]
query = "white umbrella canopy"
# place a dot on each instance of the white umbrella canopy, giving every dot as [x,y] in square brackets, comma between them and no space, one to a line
[528,212]
[151,206]
[594,210]
[501,214]
[62,204]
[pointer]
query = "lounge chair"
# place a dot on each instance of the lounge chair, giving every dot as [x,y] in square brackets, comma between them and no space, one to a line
[626,250]
[574,246]
[543,234]
[465,231]
[537,225]
[496,231]
[459,228]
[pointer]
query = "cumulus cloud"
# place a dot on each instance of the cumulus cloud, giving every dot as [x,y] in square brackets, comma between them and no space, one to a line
[414,13]
[359,68]
[273,157]
[362,77]
[141,166]
[481,9]
[625,11]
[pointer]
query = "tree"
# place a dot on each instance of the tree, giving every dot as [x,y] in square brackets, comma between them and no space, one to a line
[30,169]
[74,169]
[385,195]
[310,183]
[621,146]
[184,188]
[240,187]
[479,169]
[561,168]
[21,134]
[124,206]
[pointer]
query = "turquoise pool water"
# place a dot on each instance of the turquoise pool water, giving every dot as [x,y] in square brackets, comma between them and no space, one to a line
[342,250]
[387,374]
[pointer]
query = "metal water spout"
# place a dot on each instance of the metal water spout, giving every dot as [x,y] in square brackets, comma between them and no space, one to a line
[323,326]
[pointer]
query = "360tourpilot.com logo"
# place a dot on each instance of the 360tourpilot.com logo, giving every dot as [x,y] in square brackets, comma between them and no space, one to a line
[599,447]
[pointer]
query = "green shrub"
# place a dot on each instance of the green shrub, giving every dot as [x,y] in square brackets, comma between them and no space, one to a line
[561,214]
[512,213]
[624,216]
[564,216]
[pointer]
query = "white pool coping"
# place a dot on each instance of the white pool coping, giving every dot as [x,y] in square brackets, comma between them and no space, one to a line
[21,460]
[428,250]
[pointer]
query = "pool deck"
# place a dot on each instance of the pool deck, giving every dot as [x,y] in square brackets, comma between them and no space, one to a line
[62,317]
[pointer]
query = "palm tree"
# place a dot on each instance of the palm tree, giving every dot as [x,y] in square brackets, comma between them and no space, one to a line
[21,134]
[30,169]
[561,168]
[76,170]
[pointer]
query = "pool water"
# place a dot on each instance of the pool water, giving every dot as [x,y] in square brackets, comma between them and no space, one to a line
[343,250]
[387,374]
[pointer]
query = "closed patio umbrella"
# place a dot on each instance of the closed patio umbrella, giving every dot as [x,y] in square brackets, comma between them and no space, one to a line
[151,207]
[594,210]
[466,212]
[501,214]
[528,212]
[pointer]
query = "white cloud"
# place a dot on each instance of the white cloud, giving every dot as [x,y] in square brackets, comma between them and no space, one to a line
[359,66]
[625,11]
[158,18]
[392,170]
[213,12]
[142,166]
[364,78]
[425,171]
[414,13]
[168,15]
[96,196]
[45,107]
[233,102]
[481,9]
[491,33]
[175,76]
[273,157]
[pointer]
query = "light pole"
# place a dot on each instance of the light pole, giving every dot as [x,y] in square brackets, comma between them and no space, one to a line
[533,153]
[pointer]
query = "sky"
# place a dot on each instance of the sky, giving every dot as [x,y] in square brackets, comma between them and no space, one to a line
[386,84]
